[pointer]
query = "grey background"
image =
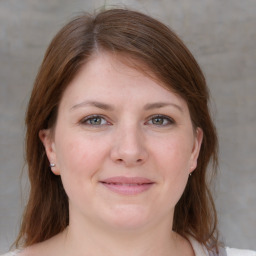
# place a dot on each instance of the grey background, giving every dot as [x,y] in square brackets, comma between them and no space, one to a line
[222,36]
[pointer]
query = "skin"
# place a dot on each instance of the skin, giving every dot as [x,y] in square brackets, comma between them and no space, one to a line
[115,121]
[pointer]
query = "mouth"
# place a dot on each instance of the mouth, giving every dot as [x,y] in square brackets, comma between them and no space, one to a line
[127,185]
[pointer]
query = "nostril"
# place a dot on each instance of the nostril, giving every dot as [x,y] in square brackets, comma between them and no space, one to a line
[120,160]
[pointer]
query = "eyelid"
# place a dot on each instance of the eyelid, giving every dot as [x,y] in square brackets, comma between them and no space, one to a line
[87,118]
[171,121]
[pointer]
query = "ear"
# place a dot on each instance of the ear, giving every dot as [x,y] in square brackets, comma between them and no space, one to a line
[49,145]
[196,149]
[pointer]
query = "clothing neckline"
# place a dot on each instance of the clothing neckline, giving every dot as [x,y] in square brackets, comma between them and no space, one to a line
[199,249]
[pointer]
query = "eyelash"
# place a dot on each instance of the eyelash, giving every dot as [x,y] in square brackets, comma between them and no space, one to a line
[90,118]
[166,120]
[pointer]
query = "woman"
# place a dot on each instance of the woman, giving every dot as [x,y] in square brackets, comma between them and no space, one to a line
[119,138]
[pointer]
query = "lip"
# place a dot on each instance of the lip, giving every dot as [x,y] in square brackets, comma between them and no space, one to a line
[127,185]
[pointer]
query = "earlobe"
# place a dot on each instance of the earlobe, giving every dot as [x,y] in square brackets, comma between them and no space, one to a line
[49,145]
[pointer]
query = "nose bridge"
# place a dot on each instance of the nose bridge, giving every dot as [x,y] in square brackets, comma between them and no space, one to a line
[129,147]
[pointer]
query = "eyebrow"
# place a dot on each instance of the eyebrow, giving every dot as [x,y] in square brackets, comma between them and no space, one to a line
[161,105]
[105,106]
[93,104]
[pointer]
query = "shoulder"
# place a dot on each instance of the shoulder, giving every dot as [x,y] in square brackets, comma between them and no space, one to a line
[12,253]
[237,252]
[200,250]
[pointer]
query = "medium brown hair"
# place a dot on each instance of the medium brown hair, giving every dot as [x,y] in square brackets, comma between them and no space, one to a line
[143,39]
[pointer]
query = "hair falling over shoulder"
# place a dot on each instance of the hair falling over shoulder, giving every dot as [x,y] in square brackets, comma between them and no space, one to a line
[141,39]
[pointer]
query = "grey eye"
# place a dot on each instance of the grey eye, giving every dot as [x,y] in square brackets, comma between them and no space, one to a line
[158,120]
[94,121]
[161,120]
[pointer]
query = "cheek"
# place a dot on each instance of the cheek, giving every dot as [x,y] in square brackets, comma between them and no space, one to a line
[174,155]
[71,155]
[78,156]
[173,161]
[79,160]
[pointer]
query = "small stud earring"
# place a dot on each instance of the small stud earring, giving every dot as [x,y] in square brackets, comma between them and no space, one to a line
[190,174]
[52,165]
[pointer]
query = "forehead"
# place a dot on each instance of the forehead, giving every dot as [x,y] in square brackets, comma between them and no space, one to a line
[109,77]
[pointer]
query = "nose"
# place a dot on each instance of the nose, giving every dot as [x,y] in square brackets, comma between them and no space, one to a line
[129,147]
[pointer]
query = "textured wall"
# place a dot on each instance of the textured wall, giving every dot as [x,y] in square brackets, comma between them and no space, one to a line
[222,36]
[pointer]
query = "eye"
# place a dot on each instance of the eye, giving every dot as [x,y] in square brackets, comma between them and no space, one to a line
[160,120]
[94,120]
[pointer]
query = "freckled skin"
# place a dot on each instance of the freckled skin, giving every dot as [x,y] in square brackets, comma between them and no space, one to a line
[127,142]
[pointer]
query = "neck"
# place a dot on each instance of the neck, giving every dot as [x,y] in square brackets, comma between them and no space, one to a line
[94,241]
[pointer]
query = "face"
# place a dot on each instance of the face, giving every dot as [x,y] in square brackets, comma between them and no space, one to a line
[123,145]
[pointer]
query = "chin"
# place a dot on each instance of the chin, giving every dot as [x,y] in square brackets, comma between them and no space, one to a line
[128,218]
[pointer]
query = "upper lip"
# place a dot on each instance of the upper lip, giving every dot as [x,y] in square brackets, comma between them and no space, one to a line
[127,180]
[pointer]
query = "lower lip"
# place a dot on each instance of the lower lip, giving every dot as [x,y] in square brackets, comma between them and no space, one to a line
[126,189]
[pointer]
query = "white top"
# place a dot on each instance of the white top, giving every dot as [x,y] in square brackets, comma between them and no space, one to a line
[197,247]
[13,253]
[201,250]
